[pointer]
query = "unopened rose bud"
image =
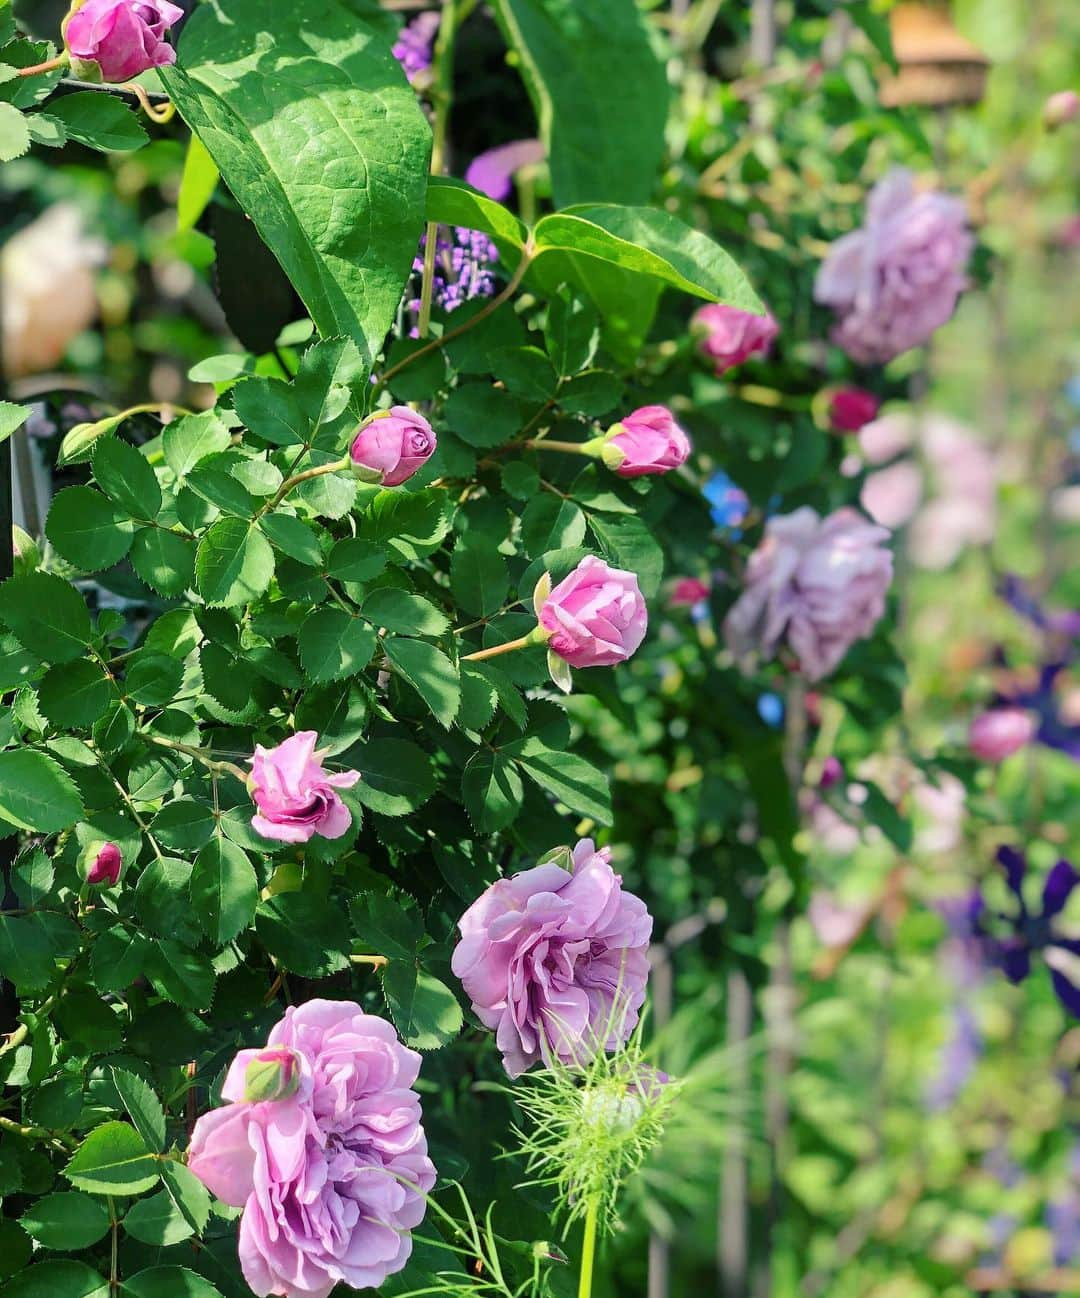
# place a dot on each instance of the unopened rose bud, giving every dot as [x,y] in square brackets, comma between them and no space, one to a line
[999,733]
[831,773]
[647,441]
[391,446]
[274,1074]
[1060,109]
[24,551]
[851,408]
[102,864]
[116,40]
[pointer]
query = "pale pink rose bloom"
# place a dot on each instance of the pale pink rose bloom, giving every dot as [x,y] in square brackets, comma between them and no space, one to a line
[295,797]
[836,923]
[727,336]
[123,37]
[891,496]
[47,289]
[1000,732]
[896,280]
[332,1175]
[887,437]
[819,583]
[649,441]
[492,172]
[597,615]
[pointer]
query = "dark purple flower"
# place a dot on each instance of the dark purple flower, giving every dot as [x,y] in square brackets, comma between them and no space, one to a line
[464,268]
[1011,943]
[1052,729]
[1017,594]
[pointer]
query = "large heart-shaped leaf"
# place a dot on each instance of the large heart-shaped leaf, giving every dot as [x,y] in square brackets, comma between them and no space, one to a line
[315,130]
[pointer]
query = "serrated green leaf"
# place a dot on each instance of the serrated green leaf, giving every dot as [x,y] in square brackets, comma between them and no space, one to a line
[397,610]
[47,615]
[181,975]
[425,1011]
[87,529]
[352,559]
[26,954]
[551,523]
[234,563]
[67,1221]
[492,791]
[164,560]
[185,825]
[143,1107]
[224,890]
[36,793]
[337,109]
[187,441]
[294,537]
[573,780]
[157,1220]
[396,776]
[74,695]
[431,674]
[306,933]
[169,1282]
[57,1279]
[99,121]
[478,577]
[113,1159]
[12,418]
[14,133]
[335,644]
[126,477]
[188,1193]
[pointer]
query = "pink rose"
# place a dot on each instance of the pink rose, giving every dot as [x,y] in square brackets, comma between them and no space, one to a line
[1060,109]
[728,336]
[999,733]
[646,441]
[103,865]
[891,496]
[893,282]
[687,592]
[391,447]
[122,37]
[296,798]
[332,1174]
[818,582]
[555,959]
[596,616]
[851,408]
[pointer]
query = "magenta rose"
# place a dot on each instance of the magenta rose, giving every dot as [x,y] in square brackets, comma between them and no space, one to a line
[121,37]
[391,447]
[555,959]
[596,616]
[647,441]
[332,1173]
[103,864]
[819,583]
[728,336]
[999,733]
[851,408]
[896,280]
[295,797]
[687,592]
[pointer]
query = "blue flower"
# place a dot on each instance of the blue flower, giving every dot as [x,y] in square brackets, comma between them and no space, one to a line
[771,710]
[729,503]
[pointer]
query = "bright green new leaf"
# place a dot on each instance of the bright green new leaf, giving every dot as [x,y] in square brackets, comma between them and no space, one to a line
[113,1159]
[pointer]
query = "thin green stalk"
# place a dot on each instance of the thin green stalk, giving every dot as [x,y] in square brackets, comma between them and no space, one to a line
[588,1249]
[443,97]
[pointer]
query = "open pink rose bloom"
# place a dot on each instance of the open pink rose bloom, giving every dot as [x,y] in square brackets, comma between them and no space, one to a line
[295,797]
[597,615]
[123,37]
[332,1175]
[555,959]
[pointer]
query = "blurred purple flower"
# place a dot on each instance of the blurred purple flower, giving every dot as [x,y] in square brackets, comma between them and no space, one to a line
[1063,1216]
[1053,729]
[1029,934]
[957,1061]
[412,49]
[492,172]
[1018,595]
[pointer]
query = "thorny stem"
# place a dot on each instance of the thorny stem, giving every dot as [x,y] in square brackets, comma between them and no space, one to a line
[376,961]
[201,755]
[588,1249]
[523,642]
[570,448]
[527,255]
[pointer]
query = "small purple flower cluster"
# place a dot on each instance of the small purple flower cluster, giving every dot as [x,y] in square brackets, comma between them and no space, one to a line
[464,268]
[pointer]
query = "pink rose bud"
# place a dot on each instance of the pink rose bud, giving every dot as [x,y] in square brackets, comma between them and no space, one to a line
[687,592]
[596,617]
[831,773]
[999,733]
[851,408]
[728,336]
[646,441]
[1060,109]
[103,864]
[391,446]
[115,40]
[273,1074]
[295,797]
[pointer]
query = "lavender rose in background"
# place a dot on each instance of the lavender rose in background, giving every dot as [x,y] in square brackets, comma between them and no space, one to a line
[727,336]
[295,797]
[896,280]
[555,959]
[818,583]
[596,616]
[115,40]
[647,441]
[392,446]
[332,1172]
